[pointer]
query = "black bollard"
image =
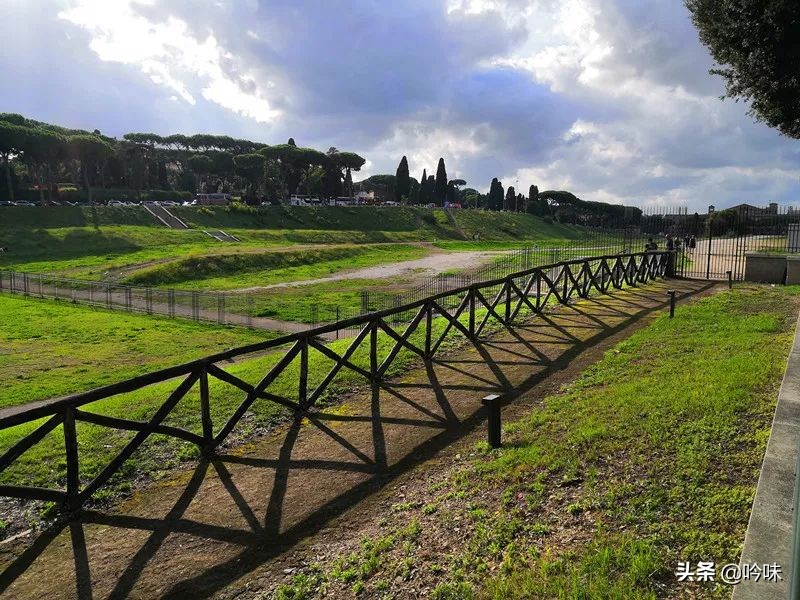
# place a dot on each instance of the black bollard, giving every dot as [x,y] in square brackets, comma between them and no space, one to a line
[730,279]
[671,294]
[492,404]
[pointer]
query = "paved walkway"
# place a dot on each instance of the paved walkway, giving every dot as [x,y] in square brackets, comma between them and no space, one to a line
[769,532]
[209,530]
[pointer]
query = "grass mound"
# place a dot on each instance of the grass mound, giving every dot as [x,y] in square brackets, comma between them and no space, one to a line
[223,271]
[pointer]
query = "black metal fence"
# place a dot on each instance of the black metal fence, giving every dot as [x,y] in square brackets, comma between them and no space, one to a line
[502,301]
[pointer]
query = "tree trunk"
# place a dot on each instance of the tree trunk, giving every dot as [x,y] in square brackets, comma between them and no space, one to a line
[8,178]
[88,187]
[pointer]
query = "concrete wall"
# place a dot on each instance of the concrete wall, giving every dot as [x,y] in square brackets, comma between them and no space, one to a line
[765,268]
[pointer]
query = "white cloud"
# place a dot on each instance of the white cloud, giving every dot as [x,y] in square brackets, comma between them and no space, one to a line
[169,54]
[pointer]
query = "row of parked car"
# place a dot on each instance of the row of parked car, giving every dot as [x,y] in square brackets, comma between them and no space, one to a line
[109,203]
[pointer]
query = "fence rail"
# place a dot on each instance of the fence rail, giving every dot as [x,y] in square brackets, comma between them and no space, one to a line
[500,300]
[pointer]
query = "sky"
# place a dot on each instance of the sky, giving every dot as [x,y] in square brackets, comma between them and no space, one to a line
[609,99]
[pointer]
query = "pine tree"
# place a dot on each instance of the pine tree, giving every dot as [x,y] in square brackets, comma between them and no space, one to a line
[402,189]
[440,188]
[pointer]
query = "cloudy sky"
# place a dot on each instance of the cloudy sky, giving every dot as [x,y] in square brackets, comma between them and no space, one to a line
[610,99]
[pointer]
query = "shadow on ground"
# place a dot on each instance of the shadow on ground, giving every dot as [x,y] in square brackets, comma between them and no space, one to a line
[208,528]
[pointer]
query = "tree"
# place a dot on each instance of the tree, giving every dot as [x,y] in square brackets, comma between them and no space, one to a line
[756,45]
[402,190]
[440,189]
[12,140]
[92,152]
[251,167]
[532,205]
[43,151]
[496,195]
[422,196]
[511,199]
[452,193]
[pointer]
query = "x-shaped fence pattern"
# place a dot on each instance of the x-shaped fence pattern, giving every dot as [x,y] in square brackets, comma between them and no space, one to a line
[466,311]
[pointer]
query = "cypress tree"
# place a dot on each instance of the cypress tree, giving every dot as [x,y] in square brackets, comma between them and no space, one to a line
[495,195]
[452,195]
[532,206]
[511,199]
[440,187]
[402,189]
[423,188]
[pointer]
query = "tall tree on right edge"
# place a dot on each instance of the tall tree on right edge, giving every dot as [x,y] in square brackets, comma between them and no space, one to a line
[755,44]
[402,189]
[440,191]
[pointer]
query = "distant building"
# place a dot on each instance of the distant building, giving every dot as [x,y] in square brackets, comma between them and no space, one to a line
[749,209]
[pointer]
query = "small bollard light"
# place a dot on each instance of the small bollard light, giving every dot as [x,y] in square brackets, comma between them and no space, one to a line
[671,294]
[492,404]
[730,279]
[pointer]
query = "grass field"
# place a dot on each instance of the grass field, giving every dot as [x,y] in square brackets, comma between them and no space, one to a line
[49,348]
[73,358]
[650,457]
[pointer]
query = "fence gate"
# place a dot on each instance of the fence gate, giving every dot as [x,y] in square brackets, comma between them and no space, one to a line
[722,238]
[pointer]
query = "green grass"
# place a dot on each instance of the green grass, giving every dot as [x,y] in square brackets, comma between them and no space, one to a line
[80,347]
[232,271]
[648,458]
[489,225]
[50,348]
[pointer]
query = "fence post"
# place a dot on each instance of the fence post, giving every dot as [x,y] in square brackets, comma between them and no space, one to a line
[303,385]
[492,404]
[373,351]
[730,279]
[508,301]
[472,313]
[71,455]
[205,414]
[671,294]
[428,325]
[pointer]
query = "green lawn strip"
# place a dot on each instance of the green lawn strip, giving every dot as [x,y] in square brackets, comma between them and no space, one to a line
[232,271]
[665,434]
[650,457]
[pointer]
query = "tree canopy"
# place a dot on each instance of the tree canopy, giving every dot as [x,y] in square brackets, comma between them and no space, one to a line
[756,44]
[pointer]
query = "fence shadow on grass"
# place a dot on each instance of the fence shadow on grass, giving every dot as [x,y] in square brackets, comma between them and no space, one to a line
[261,503]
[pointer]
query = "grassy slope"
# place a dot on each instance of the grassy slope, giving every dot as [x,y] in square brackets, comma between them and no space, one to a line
[88,242]
[648,458]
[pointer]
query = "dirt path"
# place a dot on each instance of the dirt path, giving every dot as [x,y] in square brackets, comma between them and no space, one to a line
[239,524]
[433,264]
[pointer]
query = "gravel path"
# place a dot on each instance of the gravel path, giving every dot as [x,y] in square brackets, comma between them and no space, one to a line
[433,264]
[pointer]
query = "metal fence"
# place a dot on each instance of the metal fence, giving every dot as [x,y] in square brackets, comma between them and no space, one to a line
[502,301]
